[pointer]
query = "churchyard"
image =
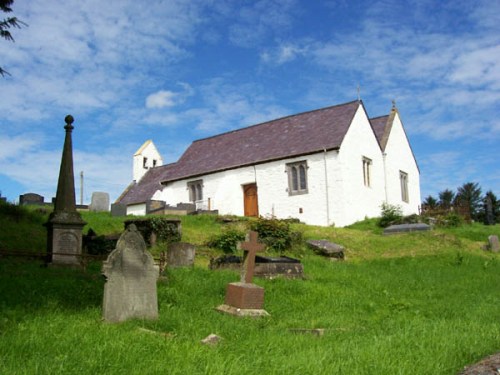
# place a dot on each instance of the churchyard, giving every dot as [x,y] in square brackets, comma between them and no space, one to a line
[413,303]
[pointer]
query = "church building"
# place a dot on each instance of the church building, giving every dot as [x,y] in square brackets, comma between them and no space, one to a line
[330,166]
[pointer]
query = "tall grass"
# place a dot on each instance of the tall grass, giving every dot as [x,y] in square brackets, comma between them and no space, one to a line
[419,303]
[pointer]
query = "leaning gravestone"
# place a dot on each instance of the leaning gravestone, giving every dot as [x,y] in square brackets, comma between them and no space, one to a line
[180,254]
[100,202]
[131,275]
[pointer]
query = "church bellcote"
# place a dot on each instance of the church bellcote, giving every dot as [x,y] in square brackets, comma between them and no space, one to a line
[145,158]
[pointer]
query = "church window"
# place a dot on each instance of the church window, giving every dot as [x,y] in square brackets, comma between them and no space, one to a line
[367,166]
[403,179]
[195,190]
[154,163]
[297,178]
[145,162]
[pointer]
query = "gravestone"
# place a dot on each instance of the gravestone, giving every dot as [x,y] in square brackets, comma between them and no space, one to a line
[406,228]
[327,248]
[180,254]
[31,198]
[244,298]
[489,218]
[131,276]
[118,209]
[493,244]
[100,202]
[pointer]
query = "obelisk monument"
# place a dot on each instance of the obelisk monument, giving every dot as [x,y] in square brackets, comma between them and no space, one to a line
[64,227]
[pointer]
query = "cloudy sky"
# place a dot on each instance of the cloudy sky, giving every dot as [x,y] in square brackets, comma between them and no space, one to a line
[178,70]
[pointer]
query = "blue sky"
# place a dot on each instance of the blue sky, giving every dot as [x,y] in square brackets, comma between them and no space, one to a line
[178,70]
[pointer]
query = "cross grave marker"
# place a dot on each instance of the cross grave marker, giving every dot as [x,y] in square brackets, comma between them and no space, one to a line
[251,248]
[244,298]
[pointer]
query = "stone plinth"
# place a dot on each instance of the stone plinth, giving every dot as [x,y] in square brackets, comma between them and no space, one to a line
[64,239]
[244,296]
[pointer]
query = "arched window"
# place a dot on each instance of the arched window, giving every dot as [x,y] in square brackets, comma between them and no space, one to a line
[195,189]
[297,178]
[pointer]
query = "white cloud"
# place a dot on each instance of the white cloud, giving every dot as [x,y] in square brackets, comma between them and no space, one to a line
[161,99]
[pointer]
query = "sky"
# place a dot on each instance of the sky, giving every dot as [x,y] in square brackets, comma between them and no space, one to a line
[175,71]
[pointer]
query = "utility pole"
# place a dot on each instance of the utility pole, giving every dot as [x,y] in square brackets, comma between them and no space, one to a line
[81,188]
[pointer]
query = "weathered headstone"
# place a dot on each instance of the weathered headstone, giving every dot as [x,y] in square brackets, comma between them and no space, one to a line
[327,248]
[131,276]
[118,209]
[64,226]
[493,244]
[180,254]
[100,202]
[31,198]
[245,298]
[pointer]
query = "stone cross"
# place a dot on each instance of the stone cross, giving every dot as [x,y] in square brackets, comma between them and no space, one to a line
[251,248]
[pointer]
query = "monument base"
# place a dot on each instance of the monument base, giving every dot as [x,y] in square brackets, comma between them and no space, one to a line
[64,239]
[244,296]
[255,313]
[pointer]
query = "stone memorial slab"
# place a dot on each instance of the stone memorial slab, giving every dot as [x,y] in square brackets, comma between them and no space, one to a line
[406,228]
[100,202]
[31,198]
[180,254]
[118,209]
[493,244]
[245,298]
[131,276]
[327,248]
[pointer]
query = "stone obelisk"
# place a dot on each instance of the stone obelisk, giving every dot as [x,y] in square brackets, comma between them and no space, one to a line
[64,227]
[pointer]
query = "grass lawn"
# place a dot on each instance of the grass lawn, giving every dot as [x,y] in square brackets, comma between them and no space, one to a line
[421,303]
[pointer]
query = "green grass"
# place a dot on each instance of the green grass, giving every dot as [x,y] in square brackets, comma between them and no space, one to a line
[419,303]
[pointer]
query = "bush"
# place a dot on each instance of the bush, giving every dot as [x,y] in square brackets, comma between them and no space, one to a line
[276,234]
[157,229]
[227,241]
[391,214]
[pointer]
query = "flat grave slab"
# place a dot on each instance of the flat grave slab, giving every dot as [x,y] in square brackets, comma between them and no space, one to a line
[406,228]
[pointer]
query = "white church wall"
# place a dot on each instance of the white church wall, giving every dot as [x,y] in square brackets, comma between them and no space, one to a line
[136,209]
[360,199]
[399,157]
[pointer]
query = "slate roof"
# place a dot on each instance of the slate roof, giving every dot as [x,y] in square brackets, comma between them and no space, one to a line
[290,136]
[378,126]
[139,192]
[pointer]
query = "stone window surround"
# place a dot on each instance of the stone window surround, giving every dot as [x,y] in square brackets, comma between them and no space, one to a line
[297,177]
[195,189]
[403,180]
[367,171]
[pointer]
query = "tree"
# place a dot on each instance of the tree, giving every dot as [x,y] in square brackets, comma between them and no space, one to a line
[491,209]
[430,203]
[446,198]
[469,197]
[6,24]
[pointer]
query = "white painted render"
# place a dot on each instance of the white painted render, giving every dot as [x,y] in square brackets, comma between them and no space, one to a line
[399,157]
[153,158]
[136,209]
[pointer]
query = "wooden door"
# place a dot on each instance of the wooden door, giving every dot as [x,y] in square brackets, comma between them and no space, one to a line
[251,202]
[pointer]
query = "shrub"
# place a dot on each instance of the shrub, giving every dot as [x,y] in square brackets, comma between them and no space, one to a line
[157,229]
[227,241]
[276,234]
[391,214]
[452,220]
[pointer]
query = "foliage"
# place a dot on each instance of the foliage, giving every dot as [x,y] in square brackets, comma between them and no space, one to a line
[430,202]
[446,198]
[469,196]
[276,234]
[491,209]
[165,229]
[8,23]
[227,240]
[390,214]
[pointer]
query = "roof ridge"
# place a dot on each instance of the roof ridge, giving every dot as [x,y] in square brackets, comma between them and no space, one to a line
[278,119]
